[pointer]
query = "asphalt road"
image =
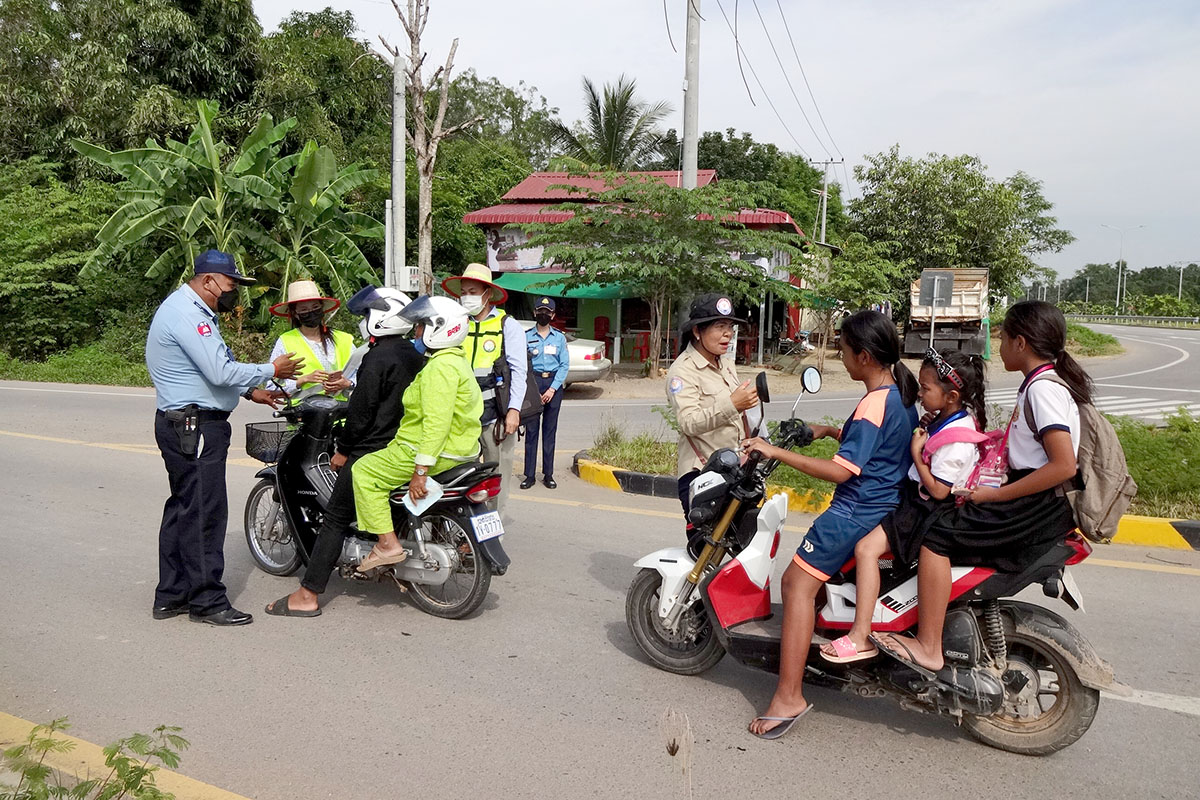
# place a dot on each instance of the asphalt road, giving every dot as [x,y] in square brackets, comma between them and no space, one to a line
[541,694]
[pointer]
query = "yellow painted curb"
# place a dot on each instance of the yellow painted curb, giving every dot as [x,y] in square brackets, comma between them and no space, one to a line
[86,761]
[597,473]
[1150,532]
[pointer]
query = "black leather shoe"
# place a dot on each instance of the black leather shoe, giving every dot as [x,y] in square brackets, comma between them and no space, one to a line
[170,610]
[230,616]
[525,484]
[550,484]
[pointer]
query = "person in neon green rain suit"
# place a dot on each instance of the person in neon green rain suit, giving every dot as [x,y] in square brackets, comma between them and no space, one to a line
[440,428]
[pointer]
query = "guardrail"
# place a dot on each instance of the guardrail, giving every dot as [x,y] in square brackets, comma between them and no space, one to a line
[1129,319]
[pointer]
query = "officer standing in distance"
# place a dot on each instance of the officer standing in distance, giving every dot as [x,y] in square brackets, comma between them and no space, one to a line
[197,383]
[548,355]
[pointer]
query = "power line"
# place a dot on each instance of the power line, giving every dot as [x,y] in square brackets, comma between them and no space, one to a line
[760,84]
[788,81]
[802,74]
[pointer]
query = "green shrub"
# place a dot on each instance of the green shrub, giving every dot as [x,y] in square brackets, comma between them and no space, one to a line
[131,773]
[1164,462]
[1085,342]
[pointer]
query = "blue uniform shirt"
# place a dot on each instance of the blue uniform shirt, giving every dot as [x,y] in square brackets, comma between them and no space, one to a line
[549,354]
[875,448]
[188,360]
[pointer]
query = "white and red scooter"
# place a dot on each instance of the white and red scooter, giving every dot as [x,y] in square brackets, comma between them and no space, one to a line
[1018,676]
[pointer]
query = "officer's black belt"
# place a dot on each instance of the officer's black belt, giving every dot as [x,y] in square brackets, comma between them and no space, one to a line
[545,374]
[202,414]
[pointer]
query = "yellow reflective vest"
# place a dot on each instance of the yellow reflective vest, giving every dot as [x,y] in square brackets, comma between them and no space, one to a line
[295,342]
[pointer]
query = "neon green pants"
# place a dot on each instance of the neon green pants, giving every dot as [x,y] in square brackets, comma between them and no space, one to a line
[375,475]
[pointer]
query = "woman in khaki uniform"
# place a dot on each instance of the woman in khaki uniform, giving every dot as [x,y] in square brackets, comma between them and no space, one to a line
[704,391]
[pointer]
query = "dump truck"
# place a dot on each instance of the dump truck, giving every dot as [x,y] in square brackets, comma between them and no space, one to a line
[961,323]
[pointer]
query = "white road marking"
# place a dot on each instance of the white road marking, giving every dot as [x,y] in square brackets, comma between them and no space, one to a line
[72,391]
[1167,702]
[1186,355]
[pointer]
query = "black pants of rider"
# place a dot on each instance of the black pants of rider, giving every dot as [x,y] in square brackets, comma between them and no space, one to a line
[334,527]
[685,483]
[191,539]
[547,422]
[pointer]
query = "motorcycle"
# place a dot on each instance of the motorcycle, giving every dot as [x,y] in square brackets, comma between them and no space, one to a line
[454,546]
[1017,676]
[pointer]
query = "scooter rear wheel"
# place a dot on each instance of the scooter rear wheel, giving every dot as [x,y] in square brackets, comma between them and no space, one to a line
[692,650]
[268,533]
[467,585]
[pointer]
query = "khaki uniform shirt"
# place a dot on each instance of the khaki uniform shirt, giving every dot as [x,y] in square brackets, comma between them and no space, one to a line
[699,394]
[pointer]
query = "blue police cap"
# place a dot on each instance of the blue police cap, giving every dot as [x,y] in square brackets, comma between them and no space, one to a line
[544,302]
[220,263]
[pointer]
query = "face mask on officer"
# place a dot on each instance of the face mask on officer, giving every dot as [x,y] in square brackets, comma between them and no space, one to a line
[310,319]
[543,317]
[226,300]
[473,303]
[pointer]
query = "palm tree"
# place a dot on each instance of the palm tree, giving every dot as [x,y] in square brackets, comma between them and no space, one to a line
[621,132]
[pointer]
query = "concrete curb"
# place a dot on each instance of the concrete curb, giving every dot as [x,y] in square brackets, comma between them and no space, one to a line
[1133,529]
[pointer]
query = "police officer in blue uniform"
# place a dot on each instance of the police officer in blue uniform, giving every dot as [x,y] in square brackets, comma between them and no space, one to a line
[197,383]
[548,355]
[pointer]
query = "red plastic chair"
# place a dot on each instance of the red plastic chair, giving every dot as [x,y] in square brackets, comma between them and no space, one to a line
[601,334]
[641,345]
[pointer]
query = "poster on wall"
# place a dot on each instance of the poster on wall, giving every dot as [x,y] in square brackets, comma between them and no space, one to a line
[505,252]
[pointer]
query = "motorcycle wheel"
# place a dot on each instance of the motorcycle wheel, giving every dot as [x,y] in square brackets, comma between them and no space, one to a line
[692,651]
[467,585]
[268,532]
[1049,713]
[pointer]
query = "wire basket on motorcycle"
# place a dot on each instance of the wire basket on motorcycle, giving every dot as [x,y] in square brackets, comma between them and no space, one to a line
[266,440]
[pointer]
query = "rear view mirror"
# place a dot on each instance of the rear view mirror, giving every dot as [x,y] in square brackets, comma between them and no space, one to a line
[764,393]
[810,380]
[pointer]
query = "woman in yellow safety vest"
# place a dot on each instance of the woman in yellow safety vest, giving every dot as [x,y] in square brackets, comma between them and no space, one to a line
[324,351]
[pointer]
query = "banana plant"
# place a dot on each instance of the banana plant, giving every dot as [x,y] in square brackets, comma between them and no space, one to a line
[280,216]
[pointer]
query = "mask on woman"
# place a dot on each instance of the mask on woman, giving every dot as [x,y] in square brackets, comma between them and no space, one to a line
[543,318]
[310,319]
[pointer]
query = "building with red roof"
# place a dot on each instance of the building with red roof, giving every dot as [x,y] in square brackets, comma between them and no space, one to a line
[593,311]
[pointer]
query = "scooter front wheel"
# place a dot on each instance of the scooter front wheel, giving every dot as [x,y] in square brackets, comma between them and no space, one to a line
[268,533]
[692,649]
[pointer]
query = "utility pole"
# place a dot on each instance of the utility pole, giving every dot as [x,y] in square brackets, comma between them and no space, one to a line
[691,96]
[397,277]
[1120,259]
[823,196]
[1087,291]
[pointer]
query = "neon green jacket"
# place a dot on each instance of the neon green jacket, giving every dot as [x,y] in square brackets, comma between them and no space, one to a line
[442,407]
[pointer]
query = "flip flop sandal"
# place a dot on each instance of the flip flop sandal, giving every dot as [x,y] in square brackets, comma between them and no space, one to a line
[280,609]
[785,724]
[846,652]
[373,561]
[910,661]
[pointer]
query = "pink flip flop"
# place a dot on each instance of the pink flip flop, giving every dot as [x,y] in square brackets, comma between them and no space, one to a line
[846,652]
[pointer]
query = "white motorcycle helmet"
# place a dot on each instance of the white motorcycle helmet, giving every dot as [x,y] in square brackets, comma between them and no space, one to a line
[381,308]
[444,319]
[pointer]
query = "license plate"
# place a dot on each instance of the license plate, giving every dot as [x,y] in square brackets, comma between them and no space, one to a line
[487,526]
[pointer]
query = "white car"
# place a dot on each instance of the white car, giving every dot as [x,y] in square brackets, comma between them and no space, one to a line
[588,362]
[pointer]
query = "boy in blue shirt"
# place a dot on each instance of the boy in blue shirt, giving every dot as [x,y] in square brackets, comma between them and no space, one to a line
[548,354]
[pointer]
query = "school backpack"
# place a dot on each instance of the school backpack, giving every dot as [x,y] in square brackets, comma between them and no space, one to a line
[993,456]
[1103,488]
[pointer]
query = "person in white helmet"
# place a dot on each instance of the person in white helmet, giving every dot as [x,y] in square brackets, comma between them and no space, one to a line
[440,428]
[376,407]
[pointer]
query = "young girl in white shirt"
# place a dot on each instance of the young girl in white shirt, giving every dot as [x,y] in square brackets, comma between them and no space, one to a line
[1010,526]
[952,394]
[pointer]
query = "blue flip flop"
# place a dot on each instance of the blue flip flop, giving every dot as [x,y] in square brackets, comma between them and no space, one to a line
[785,725]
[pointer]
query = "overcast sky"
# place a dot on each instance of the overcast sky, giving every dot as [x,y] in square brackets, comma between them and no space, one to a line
[1099,100]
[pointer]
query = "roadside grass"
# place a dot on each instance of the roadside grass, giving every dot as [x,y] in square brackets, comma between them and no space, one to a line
[1085,342]
[1165,462]
[91,364]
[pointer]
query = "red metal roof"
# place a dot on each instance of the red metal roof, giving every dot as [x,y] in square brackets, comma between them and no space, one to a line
[523,213]
[537,186]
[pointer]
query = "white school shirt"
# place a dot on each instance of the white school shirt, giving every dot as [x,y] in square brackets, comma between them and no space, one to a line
[1053,409]
[951,462]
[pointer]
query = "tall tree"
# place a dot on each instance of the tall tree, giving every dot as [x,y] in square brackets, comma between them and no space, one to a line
[665,243]
[429,127]
[621,130]
[517,115]
[946,212]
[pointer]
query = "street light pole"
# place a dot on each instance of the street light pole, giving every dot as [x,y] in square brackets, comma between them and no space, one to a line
[1120,259]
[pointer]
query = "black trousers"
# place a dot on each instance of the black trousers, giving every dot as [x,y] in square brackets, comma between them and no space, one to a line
[334,527]
[191,539]
[547,422]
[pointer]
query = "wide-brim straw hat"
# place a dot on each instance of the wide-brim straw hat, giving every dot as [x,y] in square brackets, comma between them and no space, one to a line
[298,292]
[475,272]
